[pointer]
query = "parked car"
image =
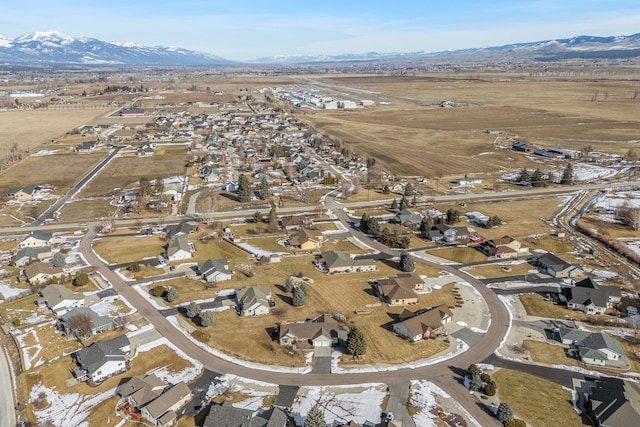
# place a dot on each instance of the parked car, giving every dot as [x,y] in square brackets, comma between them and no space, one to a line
[389,417]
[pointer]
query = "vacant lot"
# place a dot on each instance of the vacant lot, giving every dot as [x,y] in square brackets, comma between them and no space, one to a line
[128,247]
[30,129]
[539,402]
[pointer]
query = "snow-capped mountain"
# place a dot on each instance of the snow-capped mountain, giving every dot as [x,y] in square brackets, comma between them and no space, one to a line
[575,47]
[54,48]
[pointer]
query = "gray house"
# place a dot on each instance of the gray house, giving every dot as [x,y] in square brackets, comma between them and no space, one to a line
[226,415]
[557,267]
[215,270]
[25,255]
[98,323]
[102,359]
[591,298]
[613,402]
[592,347]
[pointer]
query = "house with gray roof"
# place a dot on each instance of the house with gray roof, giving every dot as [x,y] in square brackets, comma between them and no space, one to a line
[591,298]
[555,266]
[28,254]
[36,239]
[254,300]
[407,217]
[179,231]
[595,348]
[341,262]
[226,415]
[215,270]
[98,323]
[324,331]
[612,402]
[102,359]
[178,249]
[142,389]
[60,299]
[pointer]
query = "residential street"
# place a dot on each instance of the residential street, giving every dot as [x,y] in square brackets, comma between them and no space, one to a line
[7,413]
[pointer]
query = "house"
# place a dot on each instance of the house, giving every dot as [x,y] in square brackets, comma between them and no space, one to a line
[27,193]
[98,323]
[323,331]
[254,300]
[591,298]
[557,267]
[25,255]
[340,262]
[178,231]
[505,247]
[60,299]
[142,389]
[423,324]
[522,147]
[407,217]
[478,218]
[230,187]
[163,410]
[611,402]
[466,181]
[595,348]
[307,240]
[102,359]
[226,415]
[85,147]
[400,289]
[36,239]
[447,234]
[215,270]
[295,222]
[132,112]
[146,150]
[178,249]
[40,273]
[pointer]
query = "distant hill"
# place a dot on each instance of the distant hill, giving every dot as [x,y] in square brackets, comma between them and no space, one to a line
[54,48]
[589,47]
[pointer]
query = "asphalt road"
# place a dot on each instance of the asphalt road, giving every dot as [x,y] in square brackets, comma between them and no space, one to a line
[8,415]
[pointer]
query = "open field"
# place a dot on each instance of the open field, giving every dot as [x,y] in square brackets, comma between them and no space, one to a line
[82,210]
[18,126]
[462,255]
[535,305]
[123,247]
[539,402]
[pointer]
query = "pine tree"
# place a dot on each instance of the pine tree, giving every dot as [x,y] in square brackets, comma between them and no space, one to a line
[394,205]
[386,189]
[525,176]
[406,262]
[504,413]
[473,370]
[206,318]
[257,217]
[404,203]
[299,297]
[265,189]
[315,417]
[356,343]
[476,383]
[567,175]
[193,310]
[453,215]
[59,260]
[244,188]
[172,294]
[408,189]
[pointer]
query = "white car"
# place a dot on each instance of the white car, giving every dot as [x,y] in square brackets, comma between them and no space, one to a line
[389,417]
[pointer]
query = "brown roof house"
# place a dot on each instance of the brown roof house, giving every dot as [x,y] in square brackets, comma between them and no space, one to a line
[307,240]
[505,247]
[323,331]
[400,289]
[163,410]
[423,324]
[340,262]
[40,273]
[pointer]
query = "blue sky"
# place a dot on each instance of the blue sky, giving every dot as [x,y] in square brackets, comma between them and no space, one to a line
[243,30]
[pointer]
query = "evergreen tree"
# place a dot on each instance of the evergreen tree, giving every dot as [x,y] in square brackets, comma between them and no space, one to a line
[525,176]
[473,370]
[406,262]
[453,215]
[159,291]
[265,189]
[364,222]
[59,260]
[356,343]
[244,188]
[206,318]
[172,294]
[476,383]
[386,189]
[315,417]
[537,180]
[273,216]
[193,310]
[299,297]
[394,205]
[567,175]
[81,279]
[408,189]
[404,203]
[257,217]
[304,288]
[504,413]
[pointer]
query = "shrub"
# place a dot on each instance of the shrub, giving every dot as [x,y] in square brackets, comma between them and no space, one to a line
[200,336]
[504,413]
[473,370]
[134,267]
[515,423]
[193,310]
[172,294]
[489,389]
[206,318]
[485,377]
[159,291]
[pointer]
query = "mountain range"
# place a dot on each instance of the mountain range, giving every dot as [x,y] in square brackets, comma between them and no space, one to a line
[55,49]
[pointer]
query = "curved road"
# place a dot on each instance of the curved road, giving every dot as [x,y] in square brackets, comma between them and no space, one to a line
[444,374]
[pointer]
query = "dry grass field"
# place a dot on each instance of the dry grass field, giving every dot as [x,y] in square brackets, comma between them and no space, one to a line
[34,128]
[124,247]
[539,402]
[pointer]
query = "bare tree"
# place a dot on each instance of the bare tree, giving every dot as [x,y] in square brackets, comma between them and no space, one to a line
[79,326]
[121,322]
[302,193]
[206,207]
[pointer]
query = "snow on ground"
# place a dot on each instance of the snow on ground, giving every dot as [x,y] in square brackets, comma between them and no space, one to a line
[68,410]
[614,199]
[361,403]
[106,307]
[7,291]
[588,172]
[423,396]
[634,246]
[507,300]
[186,375]
[44,153]
[254,392]
[30,353]
[257,251]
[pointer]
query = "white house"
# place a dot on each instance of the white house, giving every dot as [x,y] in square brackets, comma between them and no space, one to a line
[102,359]
[215,270]
[254,300]
[178,249]
[36,239]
